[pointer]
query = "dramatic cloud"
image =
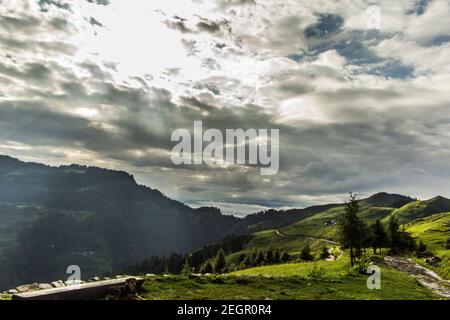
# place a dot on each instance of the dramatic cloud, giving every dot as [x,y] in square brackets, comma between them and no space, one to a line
[105,82]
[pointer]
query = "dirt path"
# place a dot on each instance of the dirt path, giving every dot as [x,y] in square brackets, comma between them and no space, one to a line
[280,234]
[425,276]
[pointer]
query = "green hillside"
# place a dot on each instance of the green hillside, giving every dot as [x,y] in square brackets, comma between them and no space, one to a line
[435,231]
[288,281]
[318,229]
[421,209]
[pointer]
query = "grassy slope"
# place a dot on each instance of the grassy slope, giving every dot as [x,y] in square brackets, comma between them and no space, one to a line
[313,226]
[286,281]
[434,231]
[421,209]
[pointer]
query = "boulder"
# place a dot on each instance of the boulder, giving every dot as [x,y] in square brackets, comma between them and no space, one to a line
[433,261]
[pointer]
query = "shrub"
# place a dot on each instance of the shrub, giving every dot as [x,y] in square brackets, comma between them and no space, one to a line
[362,264]
[422,251]
[316,273]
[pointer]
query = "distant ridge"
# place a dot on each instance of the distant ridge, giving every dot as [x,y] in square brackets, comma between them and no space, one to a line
[99,219]
[421,209]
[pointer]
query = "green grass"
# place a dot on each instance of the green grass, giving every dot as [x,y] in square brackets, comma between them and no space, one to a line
[333,269]
[5,296]
[314,226]
[287,281]
[268,238]
[421,209]
[434,231]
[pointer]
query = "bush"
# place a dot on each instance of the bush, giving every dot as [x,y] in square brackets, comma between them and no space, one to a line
[447,244]
[362,264]
[422,251]
[316,273]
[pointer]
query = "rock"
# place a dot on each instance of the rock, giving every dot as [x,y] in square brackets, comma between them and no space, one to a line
[106,278]
[57,284]
[28,287]
[12,291]
[433,261]
[94,279]
[150,275]
[44,286]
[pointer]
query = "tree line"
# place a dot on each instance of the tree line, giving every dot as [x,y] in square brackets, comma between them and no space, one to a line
[356,235]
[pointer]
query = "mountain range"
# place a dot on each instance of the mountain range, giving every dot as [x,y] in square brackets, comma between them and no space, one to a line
[102,220]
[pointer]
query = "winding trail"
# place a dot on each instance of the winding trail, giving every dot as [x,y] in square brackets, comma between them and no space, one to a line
[424,276]
[281,234]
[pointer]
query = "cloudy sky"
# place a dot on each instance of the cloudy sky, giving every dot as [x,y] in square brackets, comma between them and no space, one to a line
[360,106]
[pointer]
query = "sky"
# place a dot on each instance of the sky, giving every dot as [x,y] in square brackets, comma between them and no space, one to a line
[361,106]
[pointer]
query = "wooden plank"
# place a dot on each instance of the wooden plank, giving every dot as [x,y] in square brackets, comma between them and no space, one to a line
[89,290]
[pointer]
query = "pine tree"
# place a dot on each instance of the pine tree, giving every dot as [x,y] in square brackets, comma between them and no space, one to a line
[186,267]
[394,234]
[254,258]
[269,255]
[352,229]
[305,253]
[422,250]
[379,237]
[220,262]
[285,257]
[325,253]
[276,255]
[207,267]
[260,258]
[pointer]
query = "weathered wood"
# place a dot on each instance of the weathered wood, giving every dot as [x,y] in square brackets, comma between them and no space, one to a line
[90,290]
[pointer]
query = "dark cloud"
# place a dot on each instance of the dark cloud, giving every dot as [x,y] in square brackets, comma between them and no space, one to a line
[178,25]
[208,26]
[419,7]
[21,24]
[45,4]
[99,2]
[94,22]
[326,26]
[385,133]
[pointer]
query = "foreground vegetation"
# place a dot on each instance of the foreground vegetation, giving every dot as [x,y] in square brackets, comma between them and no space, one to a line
[435,232]
[306,280]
